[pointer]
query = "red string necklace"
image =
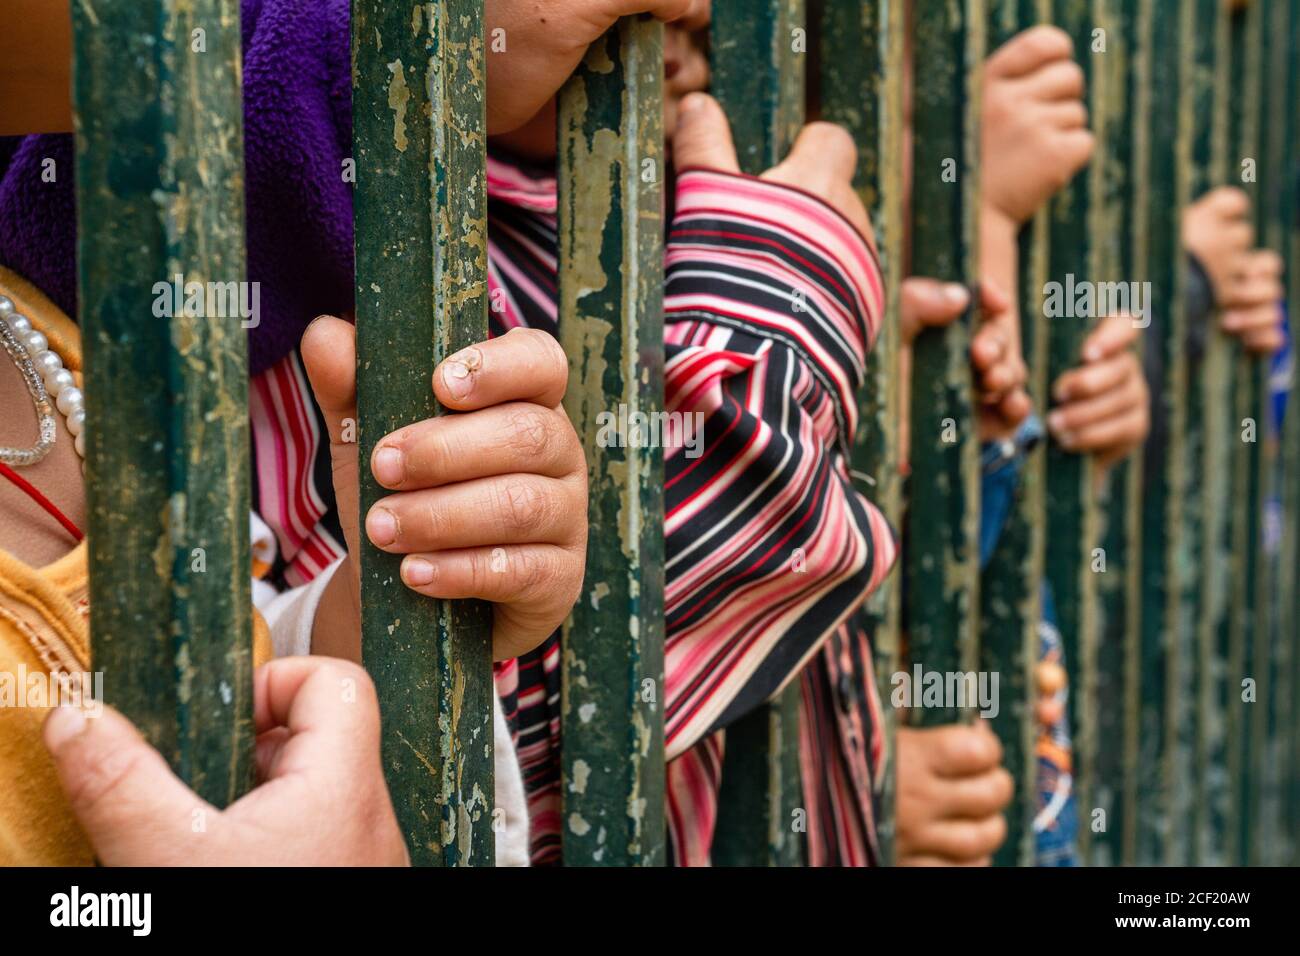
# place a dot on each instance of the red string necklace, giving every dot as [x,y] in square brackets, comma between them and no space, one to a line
[26,486]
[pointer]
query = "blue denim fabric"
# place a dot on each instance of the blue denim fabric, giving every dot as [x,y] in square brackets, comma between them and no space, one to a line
[1057,823]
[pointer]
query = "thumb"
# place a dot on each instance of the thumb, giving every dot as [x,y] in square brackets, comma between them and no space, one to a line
[132,807]
[925,302]
[703,136]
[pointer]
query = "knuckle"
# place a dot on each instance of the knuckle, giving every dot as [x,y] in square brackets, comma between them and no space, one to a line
[524,507]
[530,432]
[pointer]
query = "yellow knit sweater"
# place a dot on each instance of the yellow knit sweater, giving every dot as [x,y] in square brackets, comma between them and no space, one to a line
[44,632]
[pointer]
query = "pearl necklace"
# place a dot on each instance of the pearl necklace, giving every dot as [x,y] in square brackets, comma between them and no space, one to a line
[47,381]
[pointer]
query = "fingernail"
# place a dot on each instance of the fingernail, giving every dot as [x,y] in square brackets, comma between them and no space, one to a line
[417,572]
[956,294]
[62,725]
[457,379]
[1056,421]
[381,526]
[388,466]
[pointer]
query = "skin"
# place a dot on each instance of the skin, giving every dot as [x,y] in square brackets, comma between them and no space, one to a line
[1246,281]
[490,503]
[318,773]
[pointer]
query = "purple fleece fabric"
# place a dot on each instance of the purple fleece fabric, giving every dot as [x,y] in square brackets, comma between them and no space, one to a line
[297,133]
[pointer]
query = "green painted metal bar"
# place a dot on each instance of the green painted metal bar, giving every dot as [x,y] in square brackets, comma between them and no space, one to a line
[611,326]
[1072,521]
[1158,83]
[1186,438]
[942,551]
[1289,559]
[1276,166]
[159,173]
[1244,145]
[1211,399]
[758,75]
[421,292]
[1011,582]
[862,60]
[1119,500]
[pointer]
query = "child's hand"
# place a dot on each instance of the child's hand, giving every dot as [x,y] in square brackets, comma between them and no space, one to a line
[1252,302]
[822,160]
[951,793]
[545,40]
[318,772]
[1050,680]
[1034,134]
[1103,405]
[1216,229]
[1000,369]
[490,503]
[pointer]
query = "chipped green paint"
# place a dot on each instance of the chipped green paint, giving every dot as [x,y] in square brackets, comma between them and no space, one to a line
[1161,529]
[942,553]
[759,79]
[611,326]
[862,61]
[421,293]
[159,171]
[1210,409]
[1011,581]
[1119,502]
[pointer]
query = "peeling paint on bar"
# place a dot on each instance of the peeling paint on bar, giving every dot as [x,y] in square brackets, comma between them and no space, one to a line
[421,293]
[759,79]
[942,550]
[611,327]
[159,138]
[862,60]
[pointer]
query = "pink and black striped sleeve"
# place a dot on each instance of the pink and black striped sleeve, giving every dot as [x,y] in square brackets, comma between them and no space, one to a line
[772,300]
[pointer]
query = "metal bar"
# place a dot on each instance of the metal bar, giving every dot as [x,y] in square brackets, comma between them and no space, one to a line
[1289,557]
[1158,83]
[1072,520]
[421,294]
[1119,498]
[1211,401]
[1245,132]
[942,552]
[862,59]
[611,326]
[1011,582]
[160,196]
[758,75]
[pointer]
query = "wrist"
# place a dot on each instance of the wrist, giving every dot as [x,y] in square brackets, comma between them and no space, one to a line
[997,225]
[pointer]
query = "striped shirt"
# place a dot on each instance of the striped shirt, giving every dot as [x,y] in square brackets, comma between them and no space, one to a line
[771,302]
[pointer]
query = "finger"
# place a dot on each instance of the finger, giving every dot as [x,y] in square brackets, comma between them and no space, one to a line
[666,10]
[327,705]
[504,509]
[501,440]
[1028,50]
[1264,341]
[1126,429]
[329,354]
[1264,262]
[703,136]
[692,74]
[915,859]
[1058,80]
[963,840]
[997,382]
[697,17]
[1065,114]
[1237,321]
[1084,412]
[927,303]
[823,150]
[959,751]
[131,806]
[976,797]
[524,365]
[1049,677]
[1091,379]
[1015,407]
[1228,202]
[988,347]
[1112,335]
[1075,147]
[267,751]
[1253,290]
[993,299]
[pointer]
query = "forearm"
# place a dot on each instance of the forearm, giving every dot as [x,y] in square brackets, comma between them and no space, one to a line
[36,68]
[336,630]
[999,255]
